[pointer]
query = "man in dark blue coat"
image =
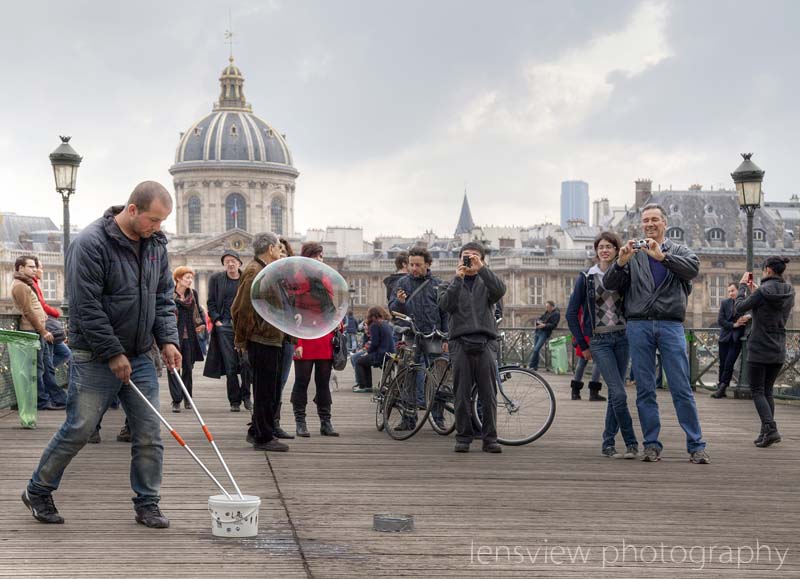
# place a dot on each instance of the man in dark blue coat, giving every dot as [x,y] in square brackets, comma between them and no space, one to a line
[731,330]
[120,294]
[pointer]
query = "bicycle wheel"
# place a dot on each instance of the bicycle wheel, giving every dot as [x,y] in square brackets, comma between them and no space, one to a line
[380,424]
[443,415]
[407,403]
[526,406]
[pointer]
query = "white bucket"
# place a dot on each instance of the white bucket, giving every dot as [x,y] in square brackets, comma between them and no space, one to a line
[234,517]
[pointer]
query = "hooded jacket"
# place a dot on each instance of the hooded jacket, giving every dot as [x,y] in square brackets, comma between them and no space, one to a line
[771,304]
[644,301]
[119,302]
[390,281]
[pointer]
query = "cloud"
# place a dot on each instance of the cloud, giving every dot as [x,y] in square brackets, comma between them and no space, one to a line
[314,67]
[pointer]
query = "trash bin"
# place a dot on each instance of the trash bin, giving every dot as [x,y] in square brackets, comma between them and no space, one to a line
[22,347]
[558,355]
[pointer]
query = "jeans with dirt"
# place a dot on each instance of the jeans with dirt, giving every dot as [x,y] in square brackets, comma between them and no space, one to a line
[92,388]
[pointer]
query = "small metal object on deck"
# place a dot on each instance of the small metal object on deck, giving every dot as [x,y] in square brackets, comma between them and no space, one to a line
[389,523]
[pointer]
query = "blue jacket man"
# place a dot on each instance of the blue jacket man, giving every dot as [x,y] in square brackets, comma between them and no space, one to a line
[120,292]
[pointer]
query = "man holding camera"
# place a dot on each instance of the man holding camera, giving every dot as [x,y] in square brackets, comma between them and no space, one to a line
[470,302]
[655,274]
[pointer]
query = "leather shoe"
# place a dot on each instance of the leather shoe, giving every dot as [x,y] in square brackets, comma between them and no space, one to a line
[326,429]
[274,445]
[492,447]
[461,447]
[151,516]
[302,429]
[235,408]
[281,433]
[248,404]
[94,437]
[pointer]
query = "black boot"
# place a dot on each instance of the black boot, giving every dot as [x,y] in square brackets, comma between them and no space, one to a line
[280,432]
[761,434]
[326,428]
[576,389]
[720,391]
[771,436]
[300,420]
[594,391]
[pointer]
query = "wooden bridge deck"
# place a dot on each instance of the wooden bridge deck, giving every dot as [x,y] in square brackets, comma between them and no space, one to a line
[523,513]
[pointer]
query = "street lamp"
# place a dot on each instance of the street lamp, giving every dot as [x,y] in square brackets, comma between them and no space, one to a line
[747,177]
[65,162]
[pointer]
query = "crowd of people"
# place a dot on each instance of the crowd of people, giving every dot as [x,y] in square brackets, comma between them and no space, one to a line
[628,308]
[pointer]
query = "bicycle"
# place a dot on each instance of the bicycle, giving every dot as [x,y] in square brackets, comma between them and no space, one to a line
[405,397]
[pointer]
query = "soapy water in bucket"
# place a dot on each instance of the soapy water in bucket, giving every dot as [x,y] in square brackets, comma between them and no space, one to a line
[300,296]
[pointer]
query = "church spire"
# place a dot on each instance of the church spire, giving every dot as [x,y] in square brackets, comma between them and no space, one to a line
[465,223]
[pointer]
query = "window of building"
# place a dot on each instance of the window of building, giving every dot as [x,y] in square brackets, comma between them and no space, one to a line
[49,286]
[197,131]
[276,216]
[759,235]
[716,234]
[235,212]
[360,286]
[194,214]
[675,233]
[535,290]
[233,130]
[717,289]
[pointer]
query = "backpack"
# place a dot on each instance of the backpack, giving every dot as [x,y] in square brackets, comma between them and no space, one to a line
[339,350]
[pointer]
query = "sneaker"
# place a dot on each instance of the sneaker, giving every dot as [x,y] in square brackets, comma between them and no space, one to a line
[151,516]
[610,452]
[492,447]
[124,434]
[273,445]
[94,438]
[700,457]
[42,508]
[176,406]
[236,408]
[631,451]
[361,389]
[461,447]
[651,454]
[187,405]
[248,404]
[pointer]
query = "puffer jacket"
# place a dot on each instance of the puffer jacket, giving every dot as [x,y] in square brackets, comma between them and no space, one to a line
[772,305]
[643,301]
[424,306]
[119,302]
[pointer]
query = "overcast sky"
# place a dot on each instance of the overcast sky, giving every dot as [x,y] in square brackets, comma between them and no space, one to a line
[392,108]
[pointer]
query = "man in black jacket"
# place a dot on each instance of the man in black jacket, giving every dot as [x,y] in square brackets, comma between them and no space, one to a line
[222,355]
[470,302]
[120,293]
[655,276]
[545,325]
[731,330]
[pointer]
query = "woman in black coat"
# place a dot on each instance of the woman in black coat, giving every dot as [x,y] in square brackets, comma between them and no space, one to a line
[771,304]
[191,321]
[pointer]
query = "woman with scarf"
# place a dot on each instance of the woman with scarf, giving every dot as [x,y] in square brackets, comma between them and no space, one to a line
[190,323]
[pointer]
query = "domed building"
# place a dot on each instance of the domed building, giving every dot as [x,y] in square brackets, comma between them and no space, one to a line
[234,177]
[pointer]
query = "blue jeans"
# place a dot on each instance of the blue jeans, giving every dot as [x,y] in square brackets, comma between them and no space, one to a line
[47,391]
[92,387]
[610,355]
[644,337]
[352,342]
[538,343]
[580,368]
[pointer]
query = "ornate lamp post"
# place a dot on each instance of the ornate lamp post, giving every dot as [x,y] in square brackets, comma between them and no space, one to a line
[65,162]
[747,177]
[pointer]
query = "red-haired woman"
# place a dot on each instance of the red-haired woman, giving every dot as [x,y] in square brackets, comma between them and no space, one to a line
[191,322]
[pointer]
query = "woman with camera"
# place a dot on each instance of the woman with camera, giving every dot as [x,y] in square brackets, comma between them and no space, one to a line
[771,304]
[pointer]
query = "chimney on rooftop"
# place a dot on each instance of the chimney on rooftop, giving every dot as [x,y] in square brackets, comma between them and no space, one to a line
[644,189]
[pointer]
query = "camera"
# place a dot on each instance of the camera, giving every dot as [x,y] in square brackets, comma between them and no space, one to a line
[640,244]
[467,262]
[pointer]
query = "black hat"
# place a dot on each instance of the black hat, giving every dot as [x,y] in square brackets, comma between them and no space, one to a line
[233,254]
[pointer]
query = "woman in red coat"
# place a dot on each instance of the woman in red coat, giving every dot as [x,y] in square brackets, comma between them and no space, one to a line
[313,355]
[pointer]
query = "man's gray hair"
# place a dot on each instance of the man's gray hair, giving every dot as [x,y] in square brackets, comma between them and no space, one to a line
[262,241]
[651,206]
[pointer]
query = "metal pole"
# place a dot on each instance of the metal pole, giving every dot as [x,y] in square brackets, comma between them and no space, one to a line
[743,387]
[206,431]
[65,199]
[180,440]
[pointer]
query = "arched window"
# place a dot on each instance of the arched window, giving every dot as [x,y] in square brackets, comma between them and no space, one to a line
[194,214]
[675,233]
[716,234]
[235,212]
[759,235]
[276,216]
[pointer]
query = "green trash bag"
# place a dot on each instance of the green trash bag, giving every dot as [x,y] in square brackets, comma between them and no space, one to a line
[558,355]
[22,347]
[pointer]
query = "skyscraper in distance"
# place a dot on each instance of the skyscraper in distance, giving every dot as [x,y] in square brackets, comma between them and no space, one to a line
[574,201]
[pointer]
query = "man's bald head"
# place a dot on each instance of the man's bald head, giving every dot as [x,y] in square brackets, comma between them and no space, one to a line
[148,191]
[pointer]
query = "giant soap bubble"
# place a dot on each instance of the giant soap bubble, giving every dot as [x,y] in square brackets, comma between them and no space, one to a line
[300,296]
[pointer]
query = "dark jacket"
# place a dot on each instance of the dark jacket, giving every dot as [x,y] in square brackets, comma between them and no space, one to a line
[772,304]
[390,281]
[351,324]
[583,297]
[380,339]
[472,312]
[643,301]
[119,302]
[726,319]
[189,316]
[550,321]
[424,306]
[215,365]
